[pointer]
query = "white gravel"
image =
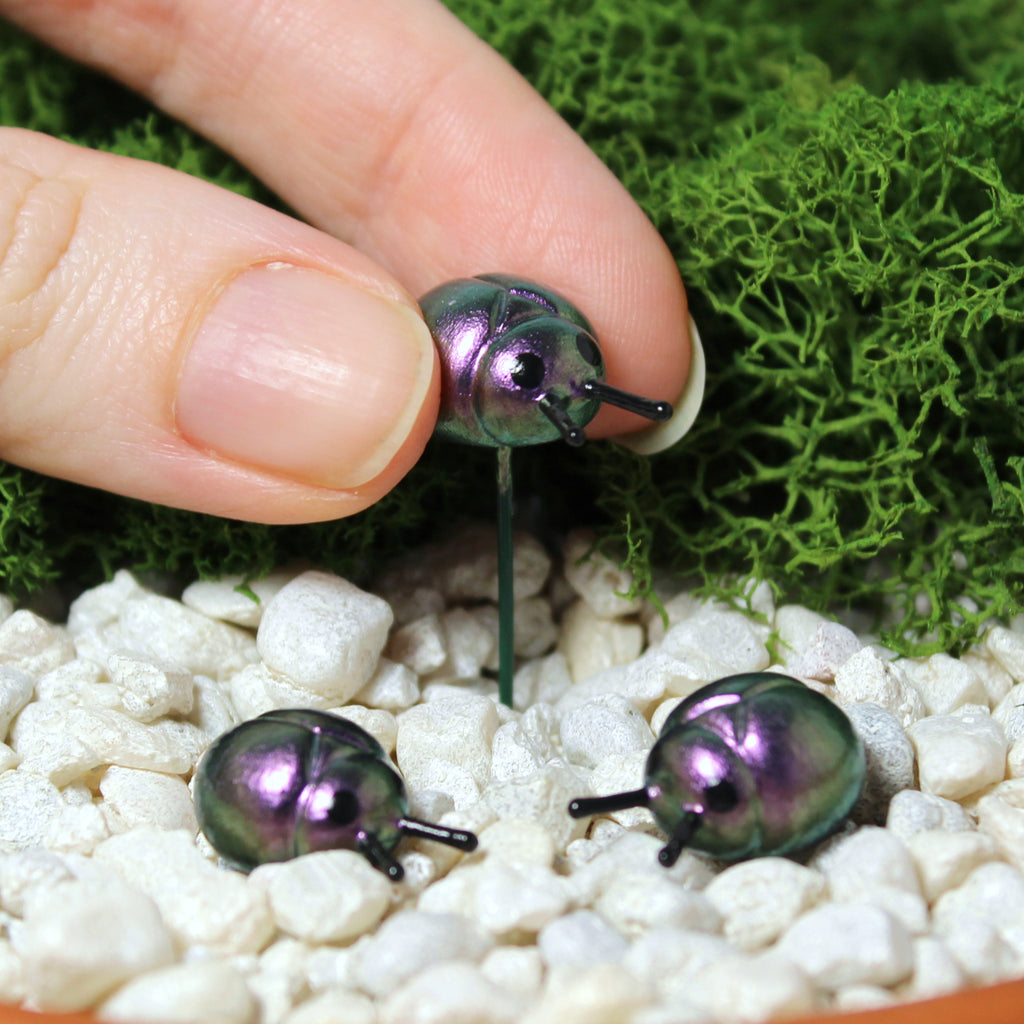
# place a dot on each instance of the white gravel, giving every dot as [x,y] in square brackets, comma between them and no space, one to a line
[110,901]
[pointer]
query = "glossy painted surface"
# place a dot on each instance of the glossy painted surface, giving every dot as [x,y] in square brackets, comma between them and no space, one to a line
[297,781]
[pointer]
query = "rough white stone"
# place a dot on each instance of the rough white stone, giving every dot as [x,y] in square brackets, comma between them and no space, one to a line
[514,753]
[338,1005]
[27,871]
[535,632]
[602,995]
[32,645]
[889,757]
[30,803]
[581,939]
[16,688]
[591,644]
[542,797]
[1001,816]
[447,993]
[393,687]
[419,645]
[324,634]
[150,690]
[867,678]
[80,941]
[855,998]
[202,905]
[753,988]
[411,941]
[469,642]
[759,899]
[1007,647]
[166,630]
[959,754]
[911,812]
[100,606]
[63,742]
[280,979]
[79,681]
[135,797]
[996,680]
[381,725]
[517,841]
[727,637]
[331,896]
[596,578]
[796,628]
[516,969]
[455,730]
[979,949]
[936,971]
[230,598]
[77,828]
[994,893]
[945,859]
[543,681]
[636,903]
[865,859]
[830,647]
[840,944]
[606,726]
[188,993]
[672,960]
[945,683]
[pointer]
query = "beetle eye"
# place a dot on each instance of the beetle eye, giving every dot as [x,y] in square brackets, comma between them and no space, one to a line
[528,371]
[345,808]
[588,350]
[721,797]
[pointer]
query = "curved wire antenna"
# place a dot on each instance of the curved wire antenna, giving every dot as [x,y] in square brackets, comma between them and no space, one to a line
[371,848]
[681,835]
[585,806]
[559,418]
[457,837]
[646,407]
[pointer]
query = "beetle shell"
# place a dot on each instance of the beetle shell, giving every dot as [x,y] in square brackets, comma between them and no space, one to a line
[504,343]
[773,765]
[292,782]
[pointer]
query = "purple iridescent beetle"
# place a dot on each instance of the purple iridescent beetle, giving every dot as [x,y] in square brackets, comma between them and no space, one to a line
[748,766]
[292,782]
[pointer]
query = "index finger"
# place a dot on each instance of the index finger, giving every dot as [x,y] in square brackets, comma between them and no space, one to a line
[393,127]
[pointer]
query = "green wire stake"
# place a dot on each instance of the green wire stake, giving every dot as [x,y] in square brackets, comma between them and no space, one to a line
[506,610]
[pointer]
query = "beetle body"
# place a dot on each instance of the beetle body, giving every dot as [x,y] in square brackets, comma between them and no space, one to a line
[751,765]
[296,781]
[520,364]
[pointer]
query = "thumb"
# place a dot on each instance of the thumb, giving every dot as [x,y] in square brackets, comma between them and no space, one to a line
[171,341]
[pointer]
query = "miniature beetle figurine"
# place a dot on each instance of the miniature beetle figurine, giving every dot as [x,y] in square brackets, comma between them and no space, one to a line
[751,765]
[292,782]
[519,365]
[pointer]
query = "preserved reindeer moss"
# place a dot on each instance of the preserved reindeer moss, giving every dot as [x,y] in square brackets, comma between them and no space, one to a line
[842,188]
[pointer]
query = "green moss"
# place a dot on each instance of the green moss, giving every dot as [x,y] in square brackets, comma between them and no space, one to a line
[843,188]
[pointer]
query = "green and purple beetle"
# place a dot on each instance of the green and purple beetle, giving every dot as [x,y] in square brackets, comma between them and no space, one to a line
[748,766]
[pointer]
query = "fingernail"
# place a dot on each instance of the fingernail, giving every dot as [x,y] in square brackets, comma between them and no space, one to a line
[302,374]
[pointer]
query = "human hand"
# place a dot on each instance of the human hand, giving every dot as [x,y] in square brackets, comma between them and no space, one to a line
[172,341]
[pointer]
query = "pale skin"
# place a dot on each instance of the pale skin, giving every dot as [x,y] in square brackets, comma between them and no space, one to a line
[167,340]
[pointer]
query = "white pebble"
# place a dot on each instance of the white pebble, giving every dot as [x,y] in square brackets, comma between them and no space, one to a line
[1007,647]
[759,899]
[338,1005]
[230,598]
[324,634]
[80,941]
[517,841]
[753,988]
[393,687]
[591,644]
[30,803]
[830,647]
[411,941]
[996,680]
[581,939]
[516,969]
[911,812]
[945,859]
[468,641]
[867,678]
[855,998]
[994,893]
[149,690]
[979,949]
[1001,816]
[848,944]
[541,797]
[603,727]
[137,797]
[596,578]
[945,683]
[936,971]
[450,993]
[16,688]
[602,995]
[23,873]
[636,903]
[202,905]
[727,637]
[544,680]
[673,960]
[32,645]
[889,757]
[381,725]
[188,993]
[331,896]
[514,753]
[101,605]
[456,730]
[865,859]
[419,645]
[959,754]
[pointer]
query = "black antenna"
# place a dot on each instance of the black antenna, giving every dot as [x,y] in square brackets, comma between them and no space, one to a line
[681,835]
[571,434]
[371,849]
[585,806]
[645,407]
[459,838]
